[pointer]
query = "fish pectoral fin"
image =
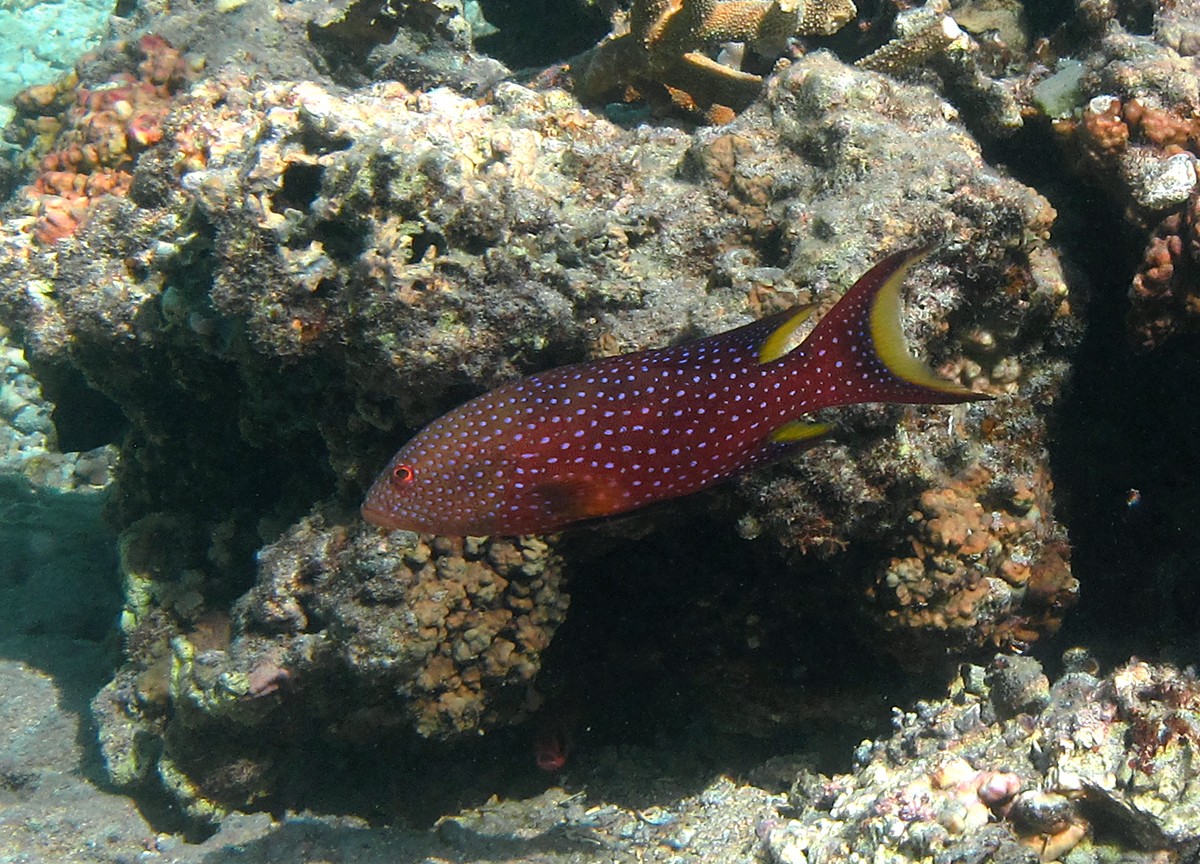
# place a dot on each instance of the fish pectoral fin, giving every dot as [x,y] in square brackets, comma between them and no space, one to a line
[795,431]
[574,498]
[778,343]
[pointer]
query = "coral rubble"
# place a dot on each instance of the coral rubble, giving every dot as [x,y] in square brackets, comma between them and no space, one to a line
[1087,769]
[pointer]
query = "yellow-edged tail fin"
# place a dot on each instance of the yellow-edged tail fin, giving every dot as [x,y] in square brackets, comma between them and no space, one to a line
[858,353]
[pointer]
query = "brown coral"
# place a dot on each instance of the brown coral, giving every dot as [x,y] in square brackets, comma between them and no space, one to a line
[361,632]
[979,555]
[1164,296]
[86,139]
[662,57]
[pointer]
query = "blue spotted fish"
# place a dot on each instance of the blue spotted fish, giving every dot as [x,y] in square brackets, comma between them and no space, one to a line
[611,435]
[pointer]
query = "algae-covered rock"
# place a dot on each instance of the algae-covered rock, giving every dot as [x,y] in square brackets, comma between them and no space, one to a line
[361,633]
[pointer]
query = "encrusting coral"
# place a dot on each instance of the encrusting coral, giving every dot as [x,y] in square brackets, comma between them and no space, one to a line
[663,54]
[994,574]
[361,634]
[85,139]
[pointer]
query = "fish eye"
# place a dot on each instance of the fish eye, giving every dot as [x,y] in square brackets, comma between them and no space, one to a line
[403,473]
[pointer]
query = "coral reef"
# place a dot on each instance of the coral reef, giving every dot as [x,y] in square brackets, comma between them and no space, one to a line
[1013,768]
[86,138]
[662,55]
[961,560]
[29,441]
[1136,135]
[1166,292]
[281,262]
[300,277]
[360,634]
[991,574]
[943,49]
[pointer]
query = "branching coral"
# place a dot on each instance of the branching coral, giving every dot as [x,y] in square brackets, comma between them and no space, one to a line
[663,55]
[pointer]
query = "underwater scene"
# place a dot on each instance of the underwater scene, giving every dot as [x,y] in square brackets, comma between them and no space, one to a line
[461,431]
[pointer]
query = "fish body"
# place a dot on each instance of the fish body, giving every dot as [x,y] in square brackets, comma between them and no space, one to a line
[607,436]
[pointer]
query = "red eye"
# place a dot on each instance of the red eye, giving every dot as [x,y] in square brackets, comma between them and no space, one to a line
[403,474]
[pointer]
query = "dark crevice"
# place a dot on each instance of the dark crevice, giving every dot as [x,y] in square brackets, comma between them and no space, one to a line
[301,186]
[342,241]
[1122,441]
[539,32]
[84,418]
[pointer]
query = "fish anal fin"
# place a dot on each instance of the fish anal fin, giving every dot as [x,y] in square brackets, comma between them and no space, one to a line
[778,343]
[795,431]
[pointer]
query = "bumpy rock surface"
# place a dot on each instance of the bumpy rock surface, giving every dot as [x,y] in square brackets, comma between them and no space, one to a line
[1011,768]
[359,633]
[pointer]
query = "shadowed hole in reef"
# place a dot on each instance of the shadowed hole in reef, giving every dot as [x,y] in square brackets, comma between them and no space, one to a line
[301,185]
[707,654]
[83,418]
[539,32]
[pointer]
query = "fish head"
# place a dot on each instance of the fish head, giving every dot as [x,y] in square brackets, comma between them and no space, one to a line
[432,490]
[457,476]
[472,472]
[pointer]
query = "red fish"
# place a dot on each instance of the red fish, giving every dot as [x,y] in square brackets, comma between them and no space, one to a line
[599,438]
[552,748]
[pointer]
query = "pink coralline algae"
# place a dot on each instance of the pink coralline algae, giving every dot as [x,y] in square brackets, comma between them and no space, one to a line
[86,138]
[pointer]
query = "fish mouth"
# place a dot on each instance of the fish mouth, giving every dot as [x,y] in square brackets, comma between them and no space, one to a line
[381,517]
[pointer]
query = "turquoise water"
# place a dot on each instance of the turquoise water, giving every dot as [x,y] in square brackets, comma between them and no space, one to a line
[39,41]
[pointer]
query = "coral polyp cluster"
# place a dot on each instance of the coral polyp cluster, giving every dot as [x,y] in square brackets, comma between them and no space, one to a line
[984,566]
[85,139]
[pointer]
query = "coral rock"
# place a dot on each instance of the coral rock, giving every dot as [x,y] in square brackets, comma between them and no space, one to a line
[662,55]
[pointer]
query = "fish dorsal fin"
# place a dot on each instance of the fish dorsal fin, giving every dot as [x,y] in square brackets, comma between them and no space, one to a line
[795,431]
[776,345]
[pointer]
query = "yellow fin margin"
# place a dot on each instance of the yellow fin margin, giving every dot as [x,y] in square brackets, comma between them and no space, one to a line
[776,345]
[888,335]
[798,430]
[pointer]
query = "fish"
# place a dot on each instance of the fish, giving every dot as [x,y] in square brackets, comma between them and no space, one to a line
[552,748]
[607,436]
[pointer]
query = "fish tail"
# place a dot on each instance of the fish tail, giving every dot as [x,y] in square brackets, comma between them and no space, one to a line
[858,353]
